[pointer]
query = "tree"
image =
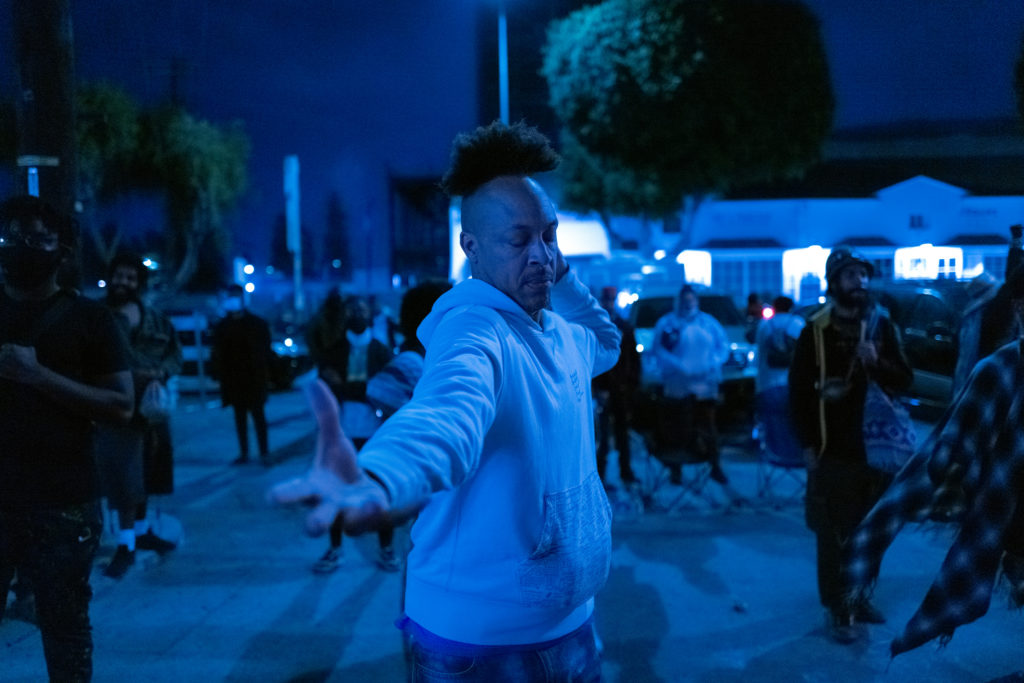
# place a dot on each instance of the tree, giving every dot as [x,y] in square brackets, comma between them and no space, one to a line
[201,168]
[671,100]
[107,135]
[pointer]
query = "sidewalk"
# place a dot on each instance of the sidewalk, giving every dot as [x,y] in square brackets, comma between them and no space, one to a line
[715,590]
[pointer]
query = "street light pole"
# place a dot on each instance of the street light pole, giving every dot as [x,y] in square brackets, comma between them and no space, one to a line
[502,62]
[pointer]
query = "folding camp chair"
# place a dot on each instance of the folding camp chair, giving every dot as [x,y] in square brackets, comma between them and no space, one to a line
[669,454]
[781,471]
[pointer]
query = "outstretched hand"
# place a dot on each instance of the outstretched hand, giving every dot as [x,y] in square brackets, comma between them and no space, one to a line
[335,484]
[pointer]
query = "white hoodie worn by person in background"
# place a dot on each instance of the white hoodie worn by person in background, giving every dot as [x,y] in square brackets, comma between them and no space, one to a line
[515,539]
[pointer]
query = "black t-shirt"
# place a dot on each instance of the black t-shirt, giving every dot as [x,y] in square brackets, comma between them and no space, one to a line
[46,448]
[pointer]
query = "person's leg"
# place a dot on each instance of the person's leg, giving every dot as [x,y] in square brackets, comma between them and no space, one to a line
[331,559]
[9,543]
[259,421]
[242,432]
[58,563]
[122,448]
[387,559]
[706,426]
[619,405]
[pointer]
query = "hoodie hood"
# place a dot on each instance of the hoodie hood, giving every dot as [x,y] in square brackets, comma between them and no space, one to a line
[468,293]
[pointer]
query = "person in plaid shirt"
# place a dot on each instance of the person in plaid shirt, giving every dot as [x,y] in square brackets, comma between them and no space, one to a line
[968,472]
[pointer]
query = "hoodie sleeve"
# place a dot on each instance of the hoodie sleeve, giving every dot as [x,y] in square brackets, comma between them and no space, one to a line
[434,442]
[571,299]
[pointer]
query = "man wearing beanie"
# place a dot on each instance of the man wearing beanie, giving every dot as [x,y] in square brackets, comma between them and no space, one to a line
[845,344]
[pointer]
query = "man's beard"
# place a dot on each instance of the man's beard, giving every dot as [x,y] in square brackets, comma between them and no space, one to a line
[855,298]
[119,295]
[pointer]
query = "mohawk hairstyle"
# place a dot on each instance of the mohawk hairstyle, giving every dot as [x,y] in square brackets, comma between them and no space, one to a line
[496,150]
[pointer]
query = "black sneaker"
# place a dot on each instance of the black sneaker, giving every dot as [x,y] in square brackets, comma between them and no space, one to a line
[120,562]
[840,628]
[150,541]
[241,460]
[718,474]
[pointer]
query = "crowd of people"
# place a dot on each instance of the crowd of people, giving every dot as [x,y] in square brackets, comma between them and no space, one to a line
[492,426]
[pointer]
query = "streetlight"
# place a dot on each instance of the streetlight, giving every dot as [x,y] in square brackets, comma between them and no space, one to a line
[502,62]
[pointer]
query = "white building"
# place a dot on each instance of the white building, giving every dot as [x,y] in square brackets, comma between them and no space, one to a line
[748,238]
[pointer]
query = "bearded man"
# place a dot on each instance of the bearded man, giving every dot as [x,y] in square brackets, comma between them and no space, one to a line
[844,345]
[135,459]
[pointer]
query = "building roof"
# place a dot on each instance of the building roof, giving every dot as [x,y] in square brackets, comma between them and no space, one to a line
[985,158]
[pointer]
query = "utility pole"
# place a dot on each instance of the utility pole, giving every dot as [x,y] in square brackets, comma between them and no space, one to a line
[44,105]
[293,223]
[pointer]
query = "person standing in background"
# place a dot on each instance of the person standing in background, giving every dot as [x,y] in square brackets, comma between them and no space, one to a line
[843,346]
[614,393]
[241,363]
[691,347]
[121,451]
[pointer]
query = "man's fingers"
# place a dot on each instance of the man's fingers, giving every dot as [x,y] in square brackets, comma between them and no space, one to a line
[297,490]
[323,404]
[320,519]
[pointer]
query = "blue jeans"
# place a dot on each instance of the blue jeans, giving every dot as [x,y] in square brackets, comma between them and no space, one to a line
[573,658]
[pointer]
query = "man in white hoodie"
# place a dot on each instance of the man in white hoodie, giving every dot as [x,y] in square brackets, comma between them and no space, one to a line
[496,447]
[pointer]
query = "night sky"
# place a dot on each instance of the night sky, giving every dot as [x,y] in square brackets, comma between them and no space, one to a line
[361,90]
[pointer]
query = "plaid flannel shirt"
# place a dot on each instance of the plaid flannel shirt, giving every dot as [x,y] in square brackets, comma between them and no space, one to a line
[974,455]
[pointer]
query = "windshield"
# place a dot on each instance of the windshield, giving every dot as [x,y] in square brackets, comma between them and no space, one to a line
[648,310]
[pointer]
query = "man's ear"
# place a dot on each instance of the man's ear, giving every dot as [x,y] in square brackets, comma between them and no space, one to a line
[469,244]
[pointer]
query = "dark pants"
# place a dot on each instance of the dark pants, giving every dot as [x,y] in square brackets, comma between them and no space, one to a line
[259,421]
[840,494]
[687,432]
[53,550]
[614,408]
[385,534]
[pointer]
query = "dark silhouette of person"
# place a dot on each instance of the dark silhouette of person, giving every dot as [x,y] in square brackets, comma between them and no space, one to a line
[241,361]
[614,392]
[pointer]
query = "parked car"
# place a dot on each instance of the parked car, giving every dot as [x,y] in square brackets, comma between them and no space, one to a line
[927,314]
[740,368]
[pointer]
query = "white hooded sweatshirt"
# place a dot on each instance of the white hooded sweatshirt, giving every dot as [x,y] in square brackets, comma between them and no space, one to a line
[515,539]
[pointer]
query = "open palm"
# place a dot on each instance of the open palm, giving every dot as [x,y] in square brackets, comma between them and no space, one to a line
[335,485]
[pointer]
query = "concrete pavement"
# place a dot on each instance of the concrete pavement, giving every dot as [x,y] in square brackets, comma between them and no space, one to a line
[714,588]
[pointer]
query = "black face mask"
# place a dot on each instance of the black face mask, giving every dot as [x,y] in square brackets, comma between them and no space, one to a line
[358,325]
[26,268]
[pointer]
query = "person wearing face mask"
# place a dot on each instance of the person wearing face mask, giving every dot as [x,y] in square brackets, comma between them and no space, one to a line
[64,365]
[240,361]
[135,459]
[690,347]
[351,363]
[834,358]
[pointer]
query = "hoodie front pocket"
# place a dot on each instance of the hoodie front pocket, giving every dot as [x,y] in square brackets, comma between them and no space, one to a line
[570,563]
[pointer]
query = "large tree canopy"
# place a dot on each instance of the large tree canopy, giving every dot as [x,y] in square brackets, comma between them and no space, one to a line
[672,98]
[201,168]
